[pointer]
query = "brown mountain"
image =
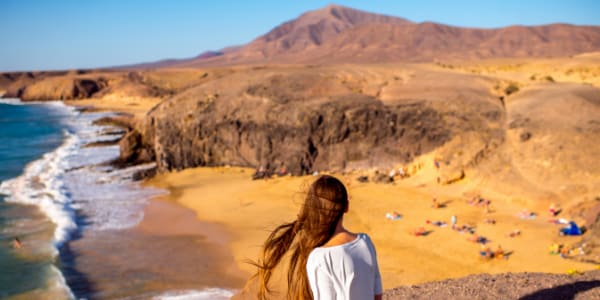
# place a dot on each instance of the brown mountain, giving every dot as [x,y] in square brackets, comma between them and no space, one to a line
[338,34]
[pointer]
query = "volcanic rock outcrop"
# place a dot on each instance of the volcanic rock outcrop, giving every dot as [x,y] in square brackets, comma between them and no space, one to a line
[300,120]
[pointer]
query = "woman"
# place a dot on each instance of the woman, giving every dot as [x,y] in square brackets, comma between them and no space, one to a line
[327,261]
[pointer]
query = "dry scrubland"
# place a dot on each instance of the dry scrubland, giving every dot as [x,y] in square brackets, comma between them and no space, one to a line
[522,133]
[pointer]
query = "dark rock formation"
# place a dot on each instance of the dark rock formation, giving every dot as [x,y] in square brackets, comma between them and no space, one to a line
[133,150]
[301,120]
[340,132]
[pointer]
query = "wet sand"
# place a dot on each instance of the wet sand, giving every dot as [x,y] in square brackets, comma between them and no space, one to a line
[169,251]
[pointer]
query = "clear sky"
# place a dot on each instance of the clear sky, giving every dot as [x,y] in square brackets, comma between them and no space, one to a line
[65,34]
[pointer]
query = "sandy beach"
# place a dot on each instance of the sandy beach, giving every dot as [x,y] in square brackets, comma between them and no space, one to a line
[234,213]
[249,209]
[150,152]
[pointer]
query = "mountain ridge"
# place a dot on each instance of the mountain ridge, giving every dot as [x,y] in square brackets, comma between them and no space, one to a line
[339,34]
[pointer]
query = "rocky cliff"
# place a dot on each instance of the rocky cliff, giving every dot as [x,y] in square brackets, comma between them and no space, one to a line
[303,120]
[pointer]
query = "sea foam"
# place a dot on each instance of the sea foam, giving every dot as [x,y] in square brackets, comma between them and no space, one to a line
[42,184]
[207,294]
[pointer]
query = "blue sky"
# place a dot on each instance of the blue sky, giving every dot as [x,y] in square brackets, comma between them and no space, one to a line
[65,34]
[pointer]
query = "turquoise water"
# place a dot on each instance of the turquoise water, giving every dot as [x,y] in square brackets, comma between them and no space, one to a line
[76,215]
[27,132]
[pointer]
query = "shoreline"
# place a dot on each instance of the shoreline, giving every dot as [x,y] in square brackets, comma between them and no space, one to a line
[403,258]
[180,255]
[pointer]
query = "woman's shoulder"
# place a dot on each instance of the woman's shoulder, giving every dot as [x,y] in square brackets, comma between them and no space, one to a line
[357,238]
[320,254]
[365,237]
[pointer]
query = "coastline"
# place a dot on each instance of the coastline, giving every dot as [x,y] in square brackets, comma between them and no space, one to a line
[180,255]
[227,203]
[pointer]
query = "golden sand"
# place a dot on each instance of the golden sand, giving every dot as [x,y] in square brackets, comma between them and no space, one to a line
[137,106]
[250,209]
[245,211]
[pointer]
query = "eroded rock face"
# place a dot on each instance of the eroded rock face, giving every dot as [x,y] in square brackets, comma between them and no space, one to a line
[275,126]
[55,88]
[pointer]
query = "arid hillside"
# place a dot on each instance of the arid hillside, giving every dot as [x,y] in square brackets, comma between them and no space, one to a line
[520,129]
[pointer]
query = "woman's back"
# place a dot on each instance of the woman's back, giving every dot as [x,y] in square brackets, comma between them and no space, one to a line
[347,271]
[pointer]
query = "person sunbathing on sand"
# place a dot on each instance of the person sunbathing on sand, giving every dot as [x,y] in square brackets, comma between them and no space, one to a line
[323,252]
[436,223]
[514,233]
[420,231]
[499,253]
[393,216]
[486,252]
[477,239]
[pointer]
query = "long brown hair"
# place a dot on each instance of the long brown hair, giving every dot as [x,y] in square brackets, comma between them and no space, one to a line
[325,204]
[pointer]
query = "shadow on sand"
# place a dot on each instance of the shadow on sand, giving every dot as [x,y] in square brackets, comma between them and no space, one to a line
[78,282]
[565,291]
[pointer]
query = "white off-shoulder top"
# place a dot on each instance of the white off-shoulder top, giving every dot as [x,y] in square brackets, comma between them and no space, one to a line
[345,272]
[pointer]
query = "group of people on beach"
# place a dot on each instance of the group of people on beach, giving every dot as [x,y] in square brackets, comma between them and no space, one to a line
[485,251]
[479,201]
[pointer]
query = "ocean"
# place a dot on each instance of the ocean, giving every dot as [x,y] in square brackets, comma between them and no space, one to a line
[27,133]
[76,214]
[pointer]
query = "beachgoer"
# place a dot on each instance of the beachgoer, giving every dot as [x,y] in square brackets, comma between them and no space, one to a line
[326,260]
[282,171]
[420,231]
[565,250]
[477,239]
[554,210]
[437,223]
[435,203]
[453,221]
[486,252]
[490,221]
[514,233]
[499,253]
[17,243]
[393,216]
[487,206]
[555,248]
